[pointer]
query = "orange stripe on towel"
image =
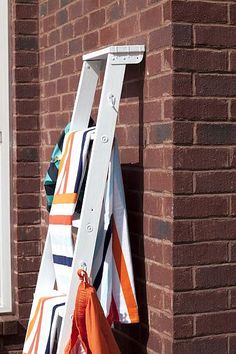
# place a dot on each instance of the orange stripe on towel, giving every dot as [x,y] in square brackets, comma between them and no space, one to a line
[124,276]
[60,219]
[65,198]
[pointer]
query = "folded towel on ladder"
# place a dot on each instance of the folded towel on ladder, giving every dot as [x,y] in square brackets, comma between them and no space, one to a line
[112,272]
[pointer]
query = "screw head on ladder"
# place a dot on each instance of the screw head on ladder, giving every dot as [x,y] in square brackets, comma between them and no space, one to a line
[104,138]
[89,228]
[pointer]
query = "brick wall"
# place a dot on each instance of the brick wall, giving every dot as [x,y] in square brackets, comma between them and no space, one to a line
[176,133]
[203,57]
[25,169]
[67,30]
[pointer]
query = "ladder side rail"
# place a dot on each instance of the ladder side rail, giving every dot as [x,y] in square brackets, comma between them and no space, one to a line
[95,187]
[85,95]
[46,275]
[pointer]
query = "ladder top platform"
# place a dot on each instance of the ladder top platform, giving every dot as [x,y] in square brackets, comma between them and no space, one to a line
[117,50]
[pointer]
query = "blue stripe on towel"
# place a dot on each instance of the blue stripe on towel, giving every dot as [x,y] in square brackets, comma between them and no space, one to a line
[63,260]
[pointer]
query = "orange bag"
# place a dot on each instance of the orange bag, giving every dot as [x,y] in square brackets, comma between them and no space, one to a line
[90,325]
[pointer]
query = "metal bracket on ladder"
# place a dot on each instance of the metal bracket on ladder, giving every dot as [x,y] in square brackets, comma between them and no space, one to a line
[115,58]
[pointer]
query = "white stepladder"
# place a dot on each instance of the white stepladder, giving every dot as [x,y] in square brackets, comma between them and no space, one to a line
[115,59]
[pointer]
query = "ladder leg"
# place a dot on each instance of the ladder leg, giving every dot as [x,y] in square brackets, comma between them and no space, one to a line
[46,277]
[85,95]
[95,186]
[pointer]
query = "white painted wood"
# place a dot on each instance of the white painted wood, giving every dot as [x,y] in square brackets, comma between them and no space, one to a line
[5,245]
[85,96]
[46,278]
[95,186]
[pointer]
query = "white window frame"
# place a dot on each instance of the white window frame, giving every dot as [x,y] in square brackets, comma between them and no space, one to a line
[5,239]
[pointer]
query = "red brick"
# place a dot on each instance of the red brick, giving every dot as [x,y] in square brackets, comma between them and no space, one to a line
[200,109]
[90,5]
[183,182]
[27,169]
[221,229]
[26,27]
[27,280]
[153,250]
[182,84]
[26,295]
[49,23]
[195,207]
[233,14]
[53,5]
[199,158]
[28,201]
[153,63]
[215,276]
[109,34]
[29,249]
[27,154]
[27,123]
[67,32]
[215,36]
[160,86]
[215,182]
[61,51]
[28,233]
[183,327]
[182,279]
[204,253]
[161,181]
[152,111]
[54,37]
[182,231]
[155,342]
[96,19]
[161,275]
[209,345]
[151,18]
[216,134]
[128,27]
[201,12]
[81,26]
[75,46]
[54,104]
[61,17]
[26,59]
[75,10]
[214,85]
[160,38]
[154,297]
[133,6]
[151,204]
[200,60]
[62,85]
[182,133]
[182,35]
[28,264]
[216,323]
[90,40]
[26,11]
[162,322]
[232,344]
[153,157]
[24,310]
[26,43]
[115,11]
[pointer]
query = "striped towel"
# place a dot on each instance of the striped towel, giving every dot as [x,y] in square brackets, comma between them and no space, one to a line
[112,272]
